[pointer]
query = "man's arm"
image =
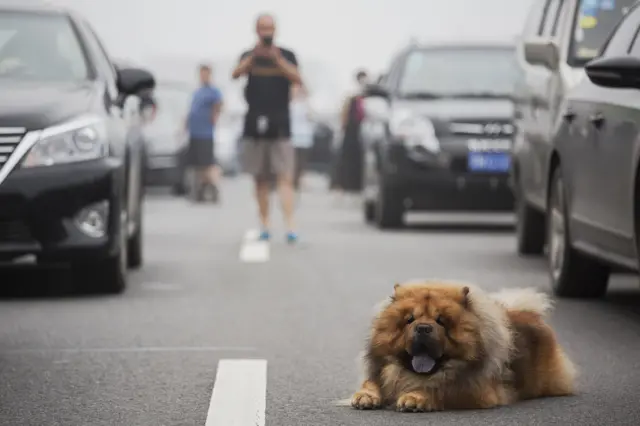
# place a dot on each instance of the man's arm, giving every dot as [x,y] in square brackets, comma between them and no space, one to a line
[244,65]
[288,66]
[217,105]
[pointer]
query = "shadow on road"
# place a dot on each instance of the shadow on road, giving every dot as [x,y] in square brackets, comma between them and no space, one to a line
[624,300]
[464,228]
[29,282]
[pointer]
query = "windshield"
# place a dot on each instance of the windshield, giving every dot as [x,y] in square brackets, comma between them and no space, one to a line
[459,72]
[40,47]
[593,23]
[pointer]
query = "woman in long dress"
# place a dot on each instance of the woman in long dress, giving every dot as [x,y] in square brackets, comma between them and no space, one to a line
[349,167]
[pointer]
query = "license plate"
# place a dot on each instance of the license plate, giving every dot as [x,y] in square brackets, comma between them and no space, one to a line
[488,162]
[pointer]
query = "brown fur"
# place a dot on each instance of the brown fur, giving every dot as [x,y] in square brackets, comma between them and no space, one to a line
[496,352]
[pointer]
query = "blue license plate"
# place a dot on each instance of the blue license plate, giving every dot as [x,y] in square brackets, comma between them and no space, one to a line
[488,162]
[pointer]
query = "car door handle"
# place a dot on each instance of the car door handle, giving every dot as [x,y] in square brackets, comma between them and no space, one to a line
[597,120]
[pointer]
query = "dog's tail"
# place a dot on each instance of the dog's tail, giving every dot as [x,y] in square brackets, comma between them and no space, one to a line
[524,299]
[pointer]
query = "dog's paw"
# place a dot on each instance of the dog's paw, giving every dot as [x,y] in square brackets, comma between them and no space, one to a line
[414,402]
[366,400]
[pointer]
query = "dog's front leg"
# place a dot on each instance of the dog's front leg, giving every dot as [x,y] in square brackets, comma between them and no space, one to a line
[417,402]
[368,397]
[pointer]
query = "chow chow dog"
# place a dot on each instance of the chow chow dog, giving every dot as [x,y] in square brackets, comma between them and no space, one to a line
[437,346]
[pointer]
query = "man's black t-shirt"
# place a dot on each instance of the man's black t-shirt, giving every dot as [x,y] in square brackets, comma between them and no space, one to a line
[267,95]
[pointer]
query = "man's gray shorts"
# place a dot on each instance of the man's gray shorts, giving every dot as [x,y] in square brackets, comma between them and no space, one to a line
[266,159]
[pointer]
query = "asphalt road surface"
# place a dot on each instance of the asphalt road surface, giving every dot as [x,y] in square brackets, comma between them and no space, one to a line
[281,327]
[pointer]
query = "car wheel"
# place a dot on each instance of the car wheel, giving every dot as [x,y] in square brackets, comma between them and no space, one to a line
[389,211]
[573,274]
[369,210]
[530,227]
[135,249]
[107,275]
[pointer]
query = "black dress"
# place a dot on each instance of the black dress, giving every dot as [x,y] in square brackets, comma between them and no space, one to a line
[350,160]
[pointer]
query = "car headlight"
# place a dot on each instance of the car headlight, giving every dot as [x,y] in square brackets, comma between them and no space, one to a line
[414,131]
[78,140]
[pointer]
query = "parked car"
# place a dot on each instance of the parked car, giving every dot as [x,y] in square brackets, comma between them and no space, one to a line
[164,136]
[70,147]
[438,131]
[559,38]
[590,172]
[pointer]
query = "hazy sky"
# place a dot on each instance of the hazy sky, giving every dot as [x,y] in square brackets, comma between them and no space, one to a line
[345,34]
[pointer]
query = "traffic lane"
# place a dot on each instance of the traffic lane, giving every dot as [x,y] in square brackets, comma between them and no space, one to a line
[147,357]
[347,273]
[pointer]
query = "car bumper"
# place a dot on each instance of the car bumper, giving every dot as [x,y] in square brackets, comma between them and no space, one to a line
[443,181]
[42,211]
[163,169]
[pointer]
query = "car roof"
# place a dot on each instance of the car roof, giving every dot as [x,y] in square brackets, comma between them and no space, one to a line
[480,44]
[32,6]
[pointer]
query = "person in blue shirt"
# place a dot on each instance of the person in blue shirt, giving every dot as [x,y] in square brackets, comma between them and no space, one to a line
[206,105]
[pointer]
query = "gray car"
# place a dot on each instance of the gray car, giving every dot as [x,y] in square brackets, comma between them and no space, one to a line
[438,131]
[590,172]
[164,135]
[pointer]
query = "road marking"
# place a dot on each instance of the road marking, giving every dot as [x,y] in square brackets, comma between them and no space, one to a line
[252,250]
[239,396]
[132,349]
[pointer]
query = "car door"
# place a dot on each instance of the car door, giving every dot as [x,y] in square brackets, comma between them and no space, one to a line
[614,121]
[532,97]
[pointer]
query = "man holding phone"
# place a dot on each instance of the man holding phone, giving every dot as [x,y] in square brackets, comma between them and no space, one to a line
[268,151]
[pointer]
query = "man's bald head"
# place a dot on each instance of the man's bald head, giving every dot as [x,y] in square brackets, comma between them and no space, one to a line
[265,25]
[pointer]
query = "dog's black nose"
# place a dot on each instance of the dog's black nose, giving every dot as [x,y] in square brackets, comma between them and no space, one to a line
[424,328]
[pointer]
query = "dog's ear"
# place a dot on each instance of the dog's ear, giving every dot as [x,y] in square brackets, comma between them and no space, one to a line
[465,296]
[393,297]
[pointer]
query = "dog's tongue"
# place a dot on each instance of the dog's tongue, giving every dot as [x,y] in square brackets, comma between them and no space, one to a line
[423,363]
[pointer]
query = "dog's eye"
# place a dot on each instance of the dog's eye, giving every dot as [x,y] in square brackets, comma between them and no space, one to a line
[440,320]
[410,319]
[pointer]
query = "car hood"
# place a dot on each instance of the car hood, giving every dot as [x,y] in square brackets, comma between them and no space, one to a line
[459,108]
[40,105]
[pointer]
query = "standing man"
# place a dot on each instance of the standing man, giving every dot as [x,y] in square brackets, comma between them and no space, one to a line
[206,105]
[268,151]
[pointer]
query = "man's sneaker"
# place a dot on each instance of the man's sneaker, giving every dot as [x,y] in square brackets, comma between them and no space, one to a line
[292,237]
[264,236]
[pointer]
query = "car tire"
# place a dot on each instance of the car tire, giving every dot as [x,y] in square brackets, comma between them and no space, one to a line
[107,275]
[135,244]
[389,210]
[573,274]
[530,227]
[369,210]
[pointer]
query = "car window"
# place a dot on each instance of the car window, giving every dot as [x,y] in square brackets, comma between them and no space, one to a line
[551,17]
[594,22]
[40,47]
[635,44]
[460,72]
[620,41]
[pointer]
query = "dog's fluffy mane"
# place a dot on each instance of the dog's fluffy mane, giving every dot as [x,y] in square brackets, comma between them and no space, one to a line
[491,311]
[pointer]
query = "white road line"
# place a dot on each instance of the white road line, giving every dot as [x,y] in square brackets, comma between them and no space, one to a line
[239,396]
[252,250]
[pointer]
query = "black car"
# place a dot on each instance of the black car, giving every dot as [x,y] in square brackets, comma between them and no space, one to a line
[70,152]
[438,132]
[585,182]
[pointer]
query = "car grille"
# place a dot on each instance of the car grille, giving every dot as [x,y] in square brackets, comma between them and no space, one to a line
[483,128]
[14,231]
[10,137]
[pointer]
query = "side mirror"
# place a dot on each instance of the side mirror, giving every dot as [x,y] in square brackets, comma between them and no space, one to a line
[617,71]
[131,81]
[375,91]
[543,53]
